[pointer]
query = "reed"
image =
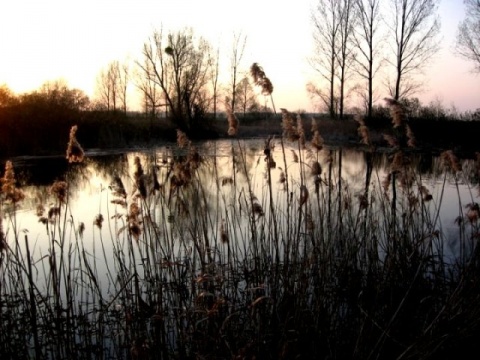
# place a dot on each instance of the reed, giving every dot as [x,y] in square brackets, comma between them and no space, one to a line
[292,264]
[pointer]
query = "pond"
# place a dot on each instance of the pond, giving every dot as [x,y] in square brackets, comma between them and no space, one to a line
[174,229]
[89,194]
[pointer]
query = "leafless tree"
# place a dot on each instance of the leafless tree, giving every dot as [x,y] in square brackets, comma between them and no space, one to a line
[246,98]
[326,23]
[104,90]
[414,29]
[123,81]
[345,53]
[238,48]
[468,36]
[150,92]
[333,22]
[110,84]
[367,42]
[215,72]
[180,65]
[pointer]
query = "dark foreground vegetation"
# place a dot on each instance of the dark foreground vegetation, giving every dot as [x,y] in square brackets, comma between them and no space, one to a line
[298,268]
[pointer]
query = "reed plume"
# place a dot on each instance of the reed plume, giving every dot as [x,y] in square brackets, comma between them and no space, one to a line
[60,190]
[232,121]
[117,187]
[11,193]
[182,139]
[75,151]
[134,220]
[317,140]
[223,232]
[450,161]
[260,79]
[290,131]
[139,175]
[300,131]
[363,130]
[303,195]
[411,137]
[397,112]
[98,221]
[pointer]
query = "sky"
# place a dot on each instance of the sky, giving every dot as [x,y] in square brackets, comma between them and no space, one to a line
[73,40]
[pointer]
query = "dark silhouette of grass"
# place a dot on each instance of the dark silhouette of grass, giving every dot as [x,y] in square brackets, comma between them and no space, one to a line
[299,268]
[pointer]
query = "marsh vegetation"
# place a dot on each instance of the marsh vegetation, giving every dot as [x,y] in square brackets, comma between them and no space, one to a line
[238,256]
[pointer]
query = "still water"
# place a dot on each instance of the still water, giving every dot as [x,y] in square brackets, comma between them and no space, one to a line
[90,195]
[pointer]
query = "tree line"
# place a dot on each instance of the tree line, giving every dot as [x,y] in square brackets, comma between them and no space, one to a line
[364,45]
[361,47]
[178,77]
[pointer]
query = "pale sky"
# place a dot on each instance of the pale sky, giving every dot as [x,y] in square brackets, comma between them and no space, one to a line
[73,40]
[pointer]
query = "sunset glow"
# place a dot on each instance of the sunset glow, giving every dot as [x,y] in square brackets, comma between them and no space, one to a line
[55,39]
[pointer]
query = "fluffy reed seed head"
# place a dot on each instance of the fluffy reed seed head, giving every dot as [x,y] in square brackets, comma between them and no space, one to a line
[317,140]
[392,141]
[40,210]
[98,221]
[232,122]
[411,137]
[256,72]
[364,134]
[117,187]
[473,212]
[362,130]
[223,232]
[59,189]
[11,192]
[139,175]
[134,220]
[426,196]
[75,151]
[303,195]
[397,112]
[81,229]
[260,79]
[316,168]
[450,161]
[182,139]
[290,131]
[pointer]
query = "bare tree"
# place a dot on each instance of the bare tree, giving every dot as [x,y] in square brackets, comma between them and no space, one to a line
[334,52]
[367,43]
[150,92]
[345,53]
[7,97]
[104,91]
[468,36]
[123,80]
[238,48]
[180,65]
[246,98]
[414,28]
[109,85]
[326,22]
[215,72]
